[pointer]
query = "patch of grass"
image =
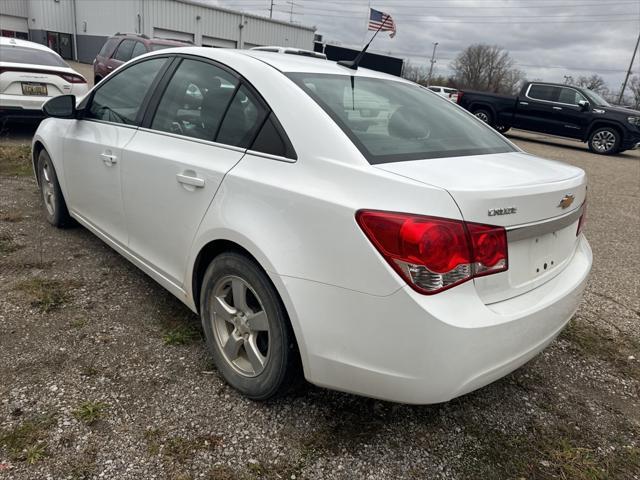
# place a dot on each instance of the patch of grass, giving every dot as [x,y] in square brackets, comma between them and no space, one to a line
[27,441]
[8,245]
[179,449]
[78,322]
[613,349]
[90,412]
[180,335]
[15,161]
[222,472]
[47,294]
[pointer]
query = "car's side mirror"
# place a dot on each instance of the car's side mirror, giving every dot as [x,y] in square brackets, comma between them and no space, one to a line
[63,106]
[584,105]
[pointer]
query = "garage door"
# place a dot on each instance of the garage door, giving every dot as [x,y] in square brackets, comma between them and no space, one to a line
[14,25]
[172,35]
[218,42]
[251,45]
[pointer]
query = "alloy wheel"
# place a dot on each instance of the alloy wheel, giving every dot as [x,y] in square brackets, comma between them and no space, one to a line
[48,190]
[240,325]
[603,141]
[482,116]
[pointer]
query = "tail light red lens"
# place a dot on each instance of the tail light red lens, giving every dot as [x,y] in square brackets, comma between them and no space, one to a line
[433,254]
[71,78]
[460,94]
[583,219]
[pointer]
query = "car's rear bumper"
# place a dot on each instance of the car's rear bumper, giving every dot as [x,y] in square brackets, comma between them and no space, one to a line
[412,348]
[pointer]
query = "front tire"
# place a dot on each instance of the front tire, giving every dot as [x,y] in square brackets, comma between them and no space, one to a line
[605,141]
[55,207]
[246,328]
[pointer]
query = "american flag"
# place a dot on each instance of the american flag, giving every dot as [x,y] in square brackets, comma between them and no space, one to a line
[381,21]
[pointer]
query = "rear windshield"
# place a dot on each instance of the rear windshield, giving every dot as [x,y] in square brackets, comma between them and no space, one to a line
[392,121]
[31,56]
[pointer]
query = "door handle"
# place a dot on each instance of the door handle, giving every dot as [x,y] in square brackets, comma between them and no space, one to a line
[524,103]
[109,67]
[557,108]
[108,159]
[190,179]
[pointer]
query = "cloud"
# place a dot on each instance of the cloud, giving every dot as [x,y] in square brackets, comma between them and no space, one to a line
[580,37]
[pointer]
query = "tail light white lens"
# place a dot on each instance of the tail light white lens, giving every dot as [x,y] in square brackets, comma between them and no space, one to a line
[433,254]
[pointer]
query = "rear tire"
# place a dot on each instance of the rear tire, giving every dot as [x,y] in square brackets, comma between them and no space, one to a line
[55,207]
[484,115]
[247,328]
[605,141]
[502,129]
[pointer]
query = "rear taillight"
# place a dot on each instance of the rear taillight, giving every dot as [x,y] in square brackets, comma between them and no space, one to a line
[583,219]
[69,77]
[460,94]
[72,78]
[433,254]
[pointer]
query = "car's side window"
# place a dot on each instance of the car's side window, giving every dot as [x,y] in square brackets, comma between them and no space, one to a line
[547,93]
[120,96]
[138,50]
[242,120]
[108,47]
[272,140]
[570,96]
[195,100]
[124,51]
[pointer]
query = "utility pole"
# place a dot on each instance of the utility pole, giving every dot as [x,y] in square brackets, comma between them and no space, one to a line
[271,10]
[433,61]
[626,78]
[293,4]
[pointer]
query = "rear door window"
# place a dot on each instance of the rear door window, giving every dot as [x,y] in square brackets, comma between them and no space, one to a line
[195,100]
[124,51]
[244,116]
[119,97]
[138,50]
[548,93]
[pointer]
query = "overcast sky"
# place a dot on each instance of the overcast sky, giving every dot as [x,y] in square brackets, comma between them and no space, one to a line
[547,38]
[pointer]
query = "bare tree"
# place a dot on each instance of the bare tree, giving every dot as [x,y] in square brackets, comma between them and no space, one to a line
[414,73]
[634,86]
[486,67]
[594,82]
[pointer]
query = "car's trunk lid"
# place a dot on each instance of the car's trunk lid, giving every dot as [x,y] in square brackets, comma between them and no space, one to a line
[538,201]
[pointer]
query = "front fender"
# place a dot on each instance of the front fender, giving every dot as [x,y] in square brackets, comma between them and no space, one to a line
[50,137]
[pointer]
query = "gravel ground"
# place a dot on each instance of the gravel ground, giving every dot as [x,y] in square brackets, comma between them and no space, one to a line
[103,374]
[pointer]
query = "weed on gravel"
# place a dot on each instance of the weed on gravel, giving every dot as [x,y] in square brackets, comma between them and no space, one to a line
[8,245]
[90,412]
[15,161]
[47,294]
[181,335]
[27,441]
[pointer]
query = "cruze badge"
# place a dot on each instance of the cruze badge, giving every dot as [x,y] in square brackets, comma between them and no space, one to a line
[566,201]
[502,211]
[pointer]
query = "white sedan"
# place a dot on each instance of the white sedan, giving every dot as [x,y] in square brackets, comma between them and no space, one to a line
[412,254]
[30,74]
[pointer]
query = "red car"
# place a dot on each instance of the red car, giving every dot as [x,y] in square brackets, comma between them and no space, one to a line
[122,47]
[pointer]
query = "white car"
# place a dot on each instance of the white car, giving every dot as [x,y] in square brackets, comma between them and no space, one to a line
[414,256]
[30,74]
[446,92]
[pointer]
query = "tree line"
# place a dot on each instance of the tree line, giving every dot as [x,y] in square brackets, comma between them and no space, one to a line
[491,68]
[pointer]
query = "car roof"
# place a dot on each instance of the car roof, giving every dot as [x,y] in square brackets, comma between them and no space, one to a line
[16,42]
[283,63]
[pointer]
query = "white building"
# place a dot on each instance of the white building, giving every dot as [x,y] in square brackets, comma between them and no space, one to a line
[77,29]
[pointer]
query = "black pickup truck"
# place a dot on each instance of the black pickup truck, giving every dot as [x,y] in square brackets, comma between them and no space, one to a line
[561,110]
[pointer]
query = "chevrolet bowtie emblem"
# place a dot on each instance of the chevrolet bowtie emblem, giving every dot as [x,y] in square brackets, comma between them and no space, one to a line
[566,201]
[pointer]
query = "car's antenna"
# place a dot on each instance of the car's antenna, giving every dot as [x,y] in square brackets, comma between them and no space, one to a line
[353,64]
